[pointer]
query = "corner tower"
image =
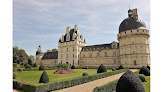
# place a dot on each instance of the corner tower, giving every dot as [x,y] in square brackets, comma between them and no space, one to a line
[133,41]
[39,55]
[69,46]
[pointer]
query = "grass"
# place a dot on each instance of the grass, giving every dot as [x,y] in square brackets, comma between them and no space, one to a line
[32,77]
[147,84]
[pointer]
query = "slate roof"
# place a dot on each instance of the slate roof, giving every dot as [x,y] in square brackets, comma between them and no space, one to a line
[99,46]
[131,23]
[50,55]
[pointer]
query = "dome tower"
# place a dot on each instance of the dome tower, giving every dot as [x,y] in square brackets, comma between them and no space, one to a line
[133,41]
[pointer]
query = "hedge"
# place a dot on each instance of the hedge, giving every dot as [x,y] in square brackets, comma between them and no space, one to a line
[62,84]
[109,87]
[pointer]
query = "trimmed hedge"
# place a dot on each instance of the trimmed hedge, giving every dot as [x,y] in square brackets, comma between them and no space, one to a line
[63,84]
[85,74]
[144,70]
[142,77]
[44,78]
[121,67]
[73,67]
[109,87]
[41,67]
[113,69]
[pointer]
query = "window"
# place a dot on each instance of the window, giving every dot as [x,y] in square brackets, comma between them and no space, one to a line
[61,61]
[78,62]
[114,61]
[83,55]
[133,52]
[105,54]
[132,42]
[73,48]
[90,54]
[73,55]
[114,53]
[97,54]
[73,62]
[67,49]
[67,55]
[113,46]
[134,62]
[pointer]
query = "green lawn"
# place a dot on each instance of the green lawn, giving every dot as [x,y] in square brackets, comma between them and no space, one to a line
[32,77]
[147,84]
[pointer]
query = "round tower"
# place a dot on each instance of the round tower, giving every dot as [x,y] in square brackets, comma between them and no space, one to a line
[39,55]
[133,41]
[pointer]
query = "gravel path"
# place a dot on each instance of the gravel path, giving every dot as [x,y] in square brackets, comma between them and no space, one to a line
[89,86]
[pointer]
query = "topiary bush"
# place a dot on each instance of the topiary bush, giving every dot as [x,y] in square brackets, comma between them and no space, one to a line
[35,65]
[121,67]
[142,77]
[113,69]
[73,67]
[85,74]
[27,66]
[129,82]
[14,75]
[144,70]
[148,67]
[101,69]
[44,78]
[41,67]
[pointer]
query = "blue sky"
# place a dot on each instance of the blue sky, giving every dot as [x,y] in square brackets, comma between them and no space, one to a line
[42,22]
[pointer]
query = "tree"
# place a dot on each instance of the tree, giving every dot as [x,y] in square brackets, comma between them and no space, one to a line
[19,56]
[54,49]
[31,59]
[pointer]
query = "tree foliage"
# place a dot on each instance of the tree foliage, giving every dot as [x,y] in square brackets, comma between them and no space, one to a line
[19,56]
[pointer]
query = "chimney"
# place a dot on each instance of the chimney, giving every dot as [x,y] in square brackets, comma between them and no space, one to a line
[134,13]
[67,30]
[75,27]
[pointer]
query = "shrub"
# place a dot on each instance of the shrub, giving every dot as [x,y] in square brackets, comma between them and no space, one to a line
[101,69]
[14,75]
[27,66]
[35,65]
[15,64]
[113,69]
[73,67]
[142,77]
[129,82]
[121,67]
[41,67]
[65,66]
[148,67]
[20,69]
[14,69]
[85,74]
[44,78]
[144,70]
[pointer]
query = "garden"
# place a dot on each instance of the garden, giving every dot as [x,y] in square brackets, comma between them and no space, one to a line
[41,80]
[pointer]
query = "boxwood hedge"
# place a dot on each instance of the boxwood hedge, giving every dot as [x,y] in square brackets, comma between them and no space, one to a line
[62,84]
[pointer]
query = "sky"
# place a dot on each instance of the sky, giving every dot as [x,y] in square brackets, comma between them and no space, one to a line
[42,22]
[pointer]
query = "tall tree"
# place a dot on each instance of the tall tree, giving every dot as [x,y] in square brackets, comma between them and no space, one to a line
[31,59]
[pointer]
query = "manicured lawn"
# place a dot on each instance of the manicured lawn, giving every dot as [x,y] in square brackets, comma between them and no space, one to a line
[32,77]
[147,84]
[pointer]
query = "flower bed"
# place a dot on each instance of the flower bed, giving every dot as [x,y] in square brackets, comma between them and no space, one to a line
[64,72]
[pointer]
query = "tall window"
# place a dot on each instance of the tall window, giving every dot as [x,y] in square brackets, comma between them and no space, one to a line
[134,62]
[73,48]
[67,49]
[67,55]
[61,61]
[114,61]
[97,54]
[90,54]
[78,62]
[113,46]
[114,53]
[73,62]
[83,55]
[73,55]
[105,54]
